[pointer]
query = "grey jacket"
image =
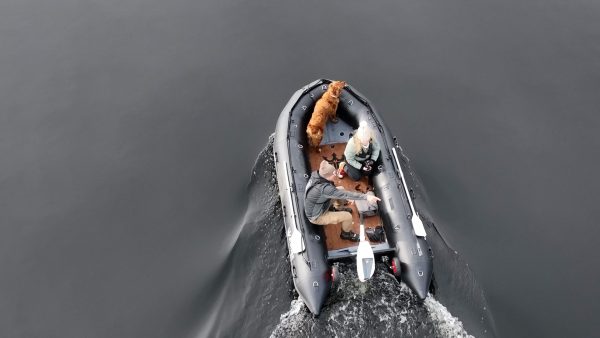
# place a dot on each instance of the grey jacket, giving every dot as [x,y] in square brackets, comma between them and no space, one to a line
[319,193]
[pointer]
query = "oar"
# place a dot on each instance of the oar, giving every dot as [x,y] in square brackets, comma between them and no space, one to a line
[416,221]
[365,260]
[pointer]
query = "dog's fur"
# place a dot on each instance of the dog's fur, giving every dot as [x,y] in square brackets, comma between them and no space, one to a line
[325,109]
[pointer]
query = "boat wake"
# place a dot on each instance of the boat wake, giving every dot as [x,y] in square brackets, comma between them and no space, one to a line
[379,307]
[446,325]
[255,287]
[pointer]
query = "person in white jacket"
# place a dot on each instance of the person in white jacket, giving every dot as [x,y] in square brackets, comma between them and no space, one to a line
[362,151]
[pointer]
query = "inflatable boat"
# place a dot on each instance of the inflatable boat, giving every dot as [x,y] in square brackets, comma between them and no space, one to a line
[314,249]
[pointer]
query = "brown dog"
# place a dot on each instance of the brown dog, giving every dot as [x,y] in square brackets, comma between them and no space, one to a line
[325,109]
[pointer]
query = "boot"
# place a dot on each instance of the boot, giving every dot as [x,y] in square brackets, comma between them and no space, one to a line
[349,236]
[341,173]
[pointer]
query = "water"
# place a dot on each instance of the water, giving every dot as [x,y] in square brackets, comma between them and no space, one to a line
[128,202]
[381,308]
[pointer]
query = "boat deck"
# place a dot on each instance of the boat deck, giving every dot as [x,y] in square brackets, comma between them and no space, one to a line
[334,153]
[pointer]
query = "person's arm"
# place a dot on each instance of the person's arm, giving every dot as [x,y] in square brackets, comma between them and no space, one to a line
[331,192]
[350,153]
[376,150]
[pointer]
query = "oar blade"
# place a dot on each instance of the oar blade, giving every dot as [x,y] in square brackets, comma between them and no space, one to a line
[365,260]
[418,226]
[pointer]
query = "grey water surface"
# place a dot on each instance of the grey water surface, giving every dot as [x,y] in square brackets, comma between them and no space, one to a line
[131,205]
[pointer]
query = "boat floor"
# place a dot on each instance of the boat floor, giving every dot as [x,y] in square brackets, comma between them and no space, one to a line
[334,153]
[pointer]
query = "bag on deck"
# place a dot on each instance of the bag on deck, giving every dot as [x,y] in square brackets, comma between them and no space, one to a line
[365,208]
[375,234]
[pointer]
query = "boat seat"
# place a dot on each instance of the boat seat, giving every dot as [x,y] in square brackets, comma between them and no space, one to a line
[339,132]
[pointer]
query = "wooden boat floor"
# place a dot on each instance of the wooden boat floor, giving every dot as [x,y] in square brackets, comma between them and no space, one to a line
[334,153]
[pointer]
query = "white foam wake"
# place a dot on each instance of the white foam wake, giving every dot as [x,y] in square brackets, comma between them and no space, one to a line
[445,324]
[290,320]
[379,308]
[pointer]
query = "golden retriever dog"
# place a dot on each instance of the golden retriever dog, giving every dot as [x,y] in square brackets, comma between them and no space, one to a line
[325,109]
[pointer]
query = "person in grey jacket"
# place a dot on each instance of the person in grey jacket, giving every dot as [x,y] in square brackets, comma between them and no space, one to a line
[362,151]
[319,195]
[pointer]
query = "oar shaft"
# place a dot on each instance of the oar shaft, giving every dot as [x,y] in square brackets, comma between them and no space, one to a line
[412,208]
[415,220]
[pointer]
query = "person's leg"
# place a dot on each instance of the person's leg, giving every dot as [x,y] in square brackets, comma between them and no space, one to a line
[353,173]
[335,217]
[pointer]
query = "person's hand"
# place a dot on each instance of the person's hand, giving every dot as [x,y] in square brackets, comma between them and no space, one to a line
[367,168]
[372,198]
[369,163]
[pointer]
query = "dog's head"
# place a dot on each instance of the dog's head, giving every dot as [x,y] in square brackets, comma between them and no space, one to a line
[336,88]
